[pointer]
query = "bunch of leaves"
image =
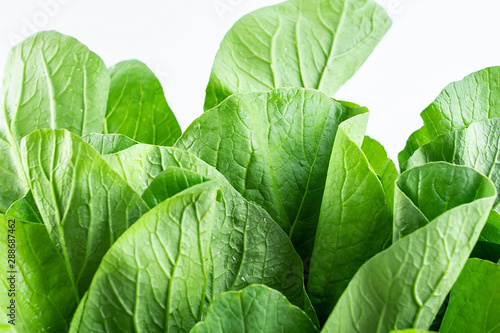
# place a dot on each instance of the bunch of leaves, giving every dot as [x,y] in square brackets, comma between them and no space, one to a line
[272,212]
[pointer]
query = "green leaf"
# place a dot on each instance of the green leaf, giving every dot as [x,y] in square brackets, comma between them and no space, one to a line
[50,81]
[137,106]
[108,143]
[170,182]
[316,44]
[383,166]
[248,247]
[84,204]
[25,209]
[414,193]
[355,221]
[475,300]
[472,99]
[274,148]
[44,293]
[404,285]
[255,308]
[154,277]
[477,146]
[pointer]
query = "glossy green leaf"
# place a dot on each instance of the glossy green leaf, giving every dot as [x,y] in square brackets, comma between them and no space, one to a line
[84,204]
[137,106]
[274,148]
[474,98]
[255,308]
[50,81]
[248,247]
[404,286]
[474,300]
[44,293]
[170,182]
[429,192]
[355,221]
[316,44]
[108,143]
[155,276]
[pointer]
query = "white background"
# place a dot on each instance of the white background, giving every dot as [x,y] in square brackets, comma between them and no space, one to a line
[431,43]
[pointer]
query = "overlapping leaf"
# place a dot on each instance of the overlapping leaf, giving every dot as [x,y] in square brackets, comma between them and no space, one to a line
[255,308]
[84,204]
[50,81]
[355,221]
[404,286]
[154,277]
[316,44]
[274,148]
[247,247]
[472,99]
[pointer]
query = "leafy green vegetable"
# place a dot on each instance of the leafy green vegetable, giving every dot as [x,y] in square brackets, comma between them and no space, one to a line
[347,236]
[316,44]
[155,276]
[50,81]
[41,280]
[84,204]
[274,148]
[137,107]
[404,286]
[475,299]
[255,308]
[460,104]
[248,247]
[476,146]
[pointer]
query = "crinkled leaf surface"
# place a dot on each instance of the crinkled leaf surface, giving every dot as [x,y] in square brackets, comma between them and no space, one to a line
[170,182]
[429,192]
[474,98]
[137,106]
[45,296]
[404,286]
[474,300]
[255,308]
[154,277]
[50,81]
[247,247]
[274,148]
[355,221]
[316,44]
[108,143]
[84,204]
[477,146]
